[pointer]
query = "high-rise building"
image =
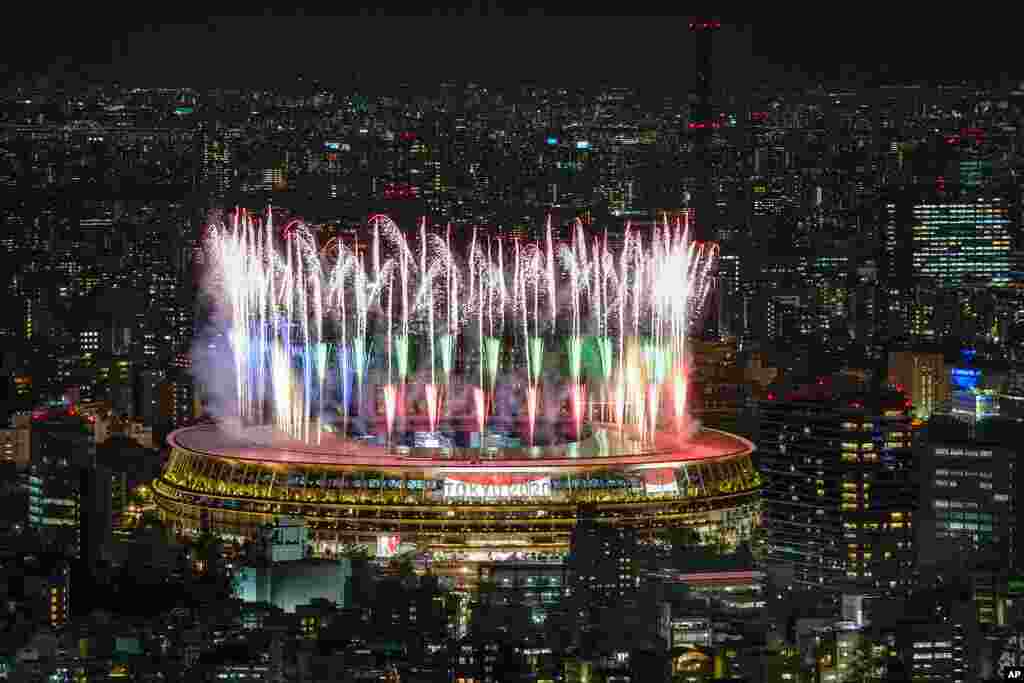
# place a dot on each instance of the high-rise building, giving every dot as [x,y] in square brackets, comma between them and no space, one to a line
[935,635]
[147,383]
[924,379]
[949,240]
[16,442]
[602,562]
[60,449]
[536,585]
[44,585]
[217,168]
[968,499]
[273,179]
[177,402]
[973,395]
[840,500]
[730,301]
[95,515]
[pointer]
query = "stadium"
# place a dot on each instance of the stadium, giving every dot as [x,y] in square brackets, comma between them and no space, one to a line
[467,402]
[458,502]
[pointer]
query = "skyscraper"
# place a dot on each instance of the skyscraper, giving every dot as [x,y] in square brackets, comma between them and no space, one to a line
[947,240]
[924,378]
[95,513]
[61,447]
[840,499]
[217,168]
[968,494]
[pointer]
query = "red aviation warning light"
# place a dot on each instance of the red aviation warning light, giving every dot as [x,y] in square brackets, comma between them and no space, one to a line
[705,25]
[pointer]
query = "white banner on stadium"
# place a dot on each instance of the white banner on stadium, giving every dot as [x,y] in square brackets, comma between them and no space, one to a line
[536,488]
[660,489]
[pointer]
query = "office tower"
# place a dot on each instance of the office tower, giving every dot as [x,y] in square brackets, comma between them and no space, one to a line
[973,395]
[42,582]
[947,239]
[602,562]
[95,513]
[177,401]
[934,633]
[536,585]
[968,495]
[923,378]
[975,173]
[730,302]
[16,442]
[147,384]
[114,383]
[273,179]
[61,447]
[840,500]
[786,317]
[217,168]
[97,231]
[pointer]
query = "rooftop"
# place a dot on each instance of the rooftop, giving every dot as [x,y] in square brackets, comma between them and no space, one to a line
[613,448]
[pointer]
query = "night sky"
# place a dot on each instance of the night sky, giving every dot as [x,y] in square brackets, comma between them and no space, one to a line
[647,52]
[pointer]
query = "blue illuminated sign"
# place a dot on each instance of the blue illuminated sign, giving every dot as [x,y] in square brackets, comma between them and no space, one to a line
[582,144]
[333,145]
[968,354]
[552,141]
[965,379]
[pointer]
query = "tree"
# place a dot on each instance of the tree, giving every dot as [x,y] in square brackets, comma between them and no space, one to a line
[354,551]
[758,545]
[151,520]
[207,549]
[404,565]
[681,538]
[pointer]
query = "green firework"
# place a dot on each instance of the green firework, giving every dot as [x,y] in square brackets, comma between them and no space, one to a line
[401,346]
[574,350]
[535,353]
[446,347]
[604,356]
[492,351]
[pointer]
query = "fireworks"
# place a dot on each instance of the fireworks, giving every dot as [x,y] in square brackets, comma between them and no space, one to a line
[306,326]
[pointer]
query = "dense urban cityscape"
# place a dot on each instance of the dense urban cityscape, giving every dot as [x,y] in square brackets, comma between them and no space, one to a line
[474,383]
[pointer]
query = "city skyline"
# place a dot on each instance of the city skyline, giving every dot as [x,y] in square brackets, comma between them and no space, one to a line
[464,349]
[485,47]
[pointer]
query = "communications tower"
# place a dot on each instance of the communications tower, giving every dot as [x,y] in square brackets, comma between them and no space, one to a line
[702,123]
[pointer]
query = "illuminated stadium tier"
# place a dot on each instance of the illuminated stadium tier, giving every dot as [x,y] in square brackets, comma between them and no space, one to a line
[459,500]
